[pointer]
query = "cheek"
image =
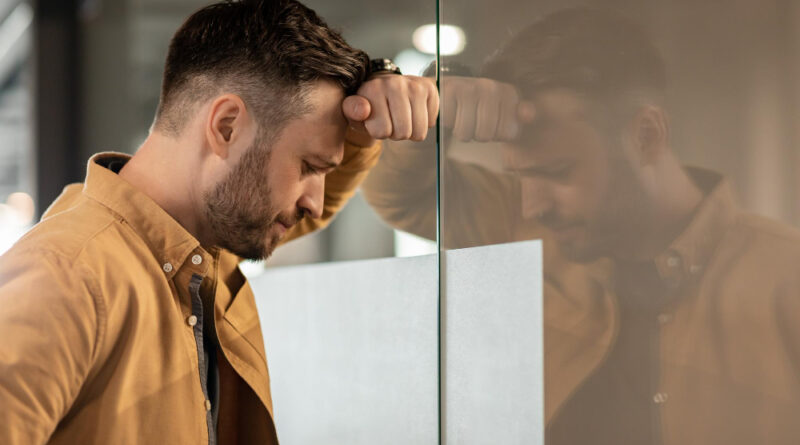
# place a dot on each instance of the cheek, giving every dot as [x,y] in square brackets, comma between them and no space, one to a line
[588,194]
[286,185]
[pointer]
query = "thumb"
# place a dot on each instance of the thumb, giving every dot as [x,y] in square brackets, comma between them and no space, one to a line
[356,108]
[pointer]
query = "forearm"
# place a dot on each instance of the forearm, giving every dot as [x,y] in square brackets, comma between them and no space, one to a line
[340,186]
[402,187]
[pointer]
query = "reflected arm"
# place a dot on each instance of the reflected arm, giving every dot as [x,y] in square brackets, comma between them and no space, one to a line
[480,206]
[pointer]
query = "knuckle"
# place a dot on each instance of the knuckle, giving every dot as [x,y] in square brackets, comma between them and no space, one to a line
[416,88]
[378,130]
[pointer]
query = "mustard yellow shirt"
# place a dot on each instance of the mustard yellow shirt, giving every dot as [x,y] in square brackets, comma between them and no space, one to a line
[97,343]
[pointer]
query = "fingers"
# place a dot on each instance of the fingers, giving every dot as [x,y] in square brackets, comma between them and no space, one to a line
[483,109]
[433,105]
[400,111]
[401,107]
[379,123]
[419,117]
[464,123]
[487,117]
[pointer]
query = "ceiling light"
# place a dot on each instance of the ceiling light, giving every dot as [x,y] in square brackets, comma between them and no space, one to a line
[452,39]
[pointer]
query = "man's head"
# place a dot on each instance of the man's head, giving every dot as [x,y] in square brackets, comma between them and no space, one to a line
[257,87]
[587,161]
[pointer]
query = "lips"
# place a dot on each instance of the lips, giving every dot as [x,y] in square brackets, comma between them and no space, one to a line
[283,226]
[566,232]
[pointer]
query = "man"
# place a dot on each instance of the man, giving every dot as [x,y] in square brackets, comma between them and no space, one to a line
[670,314]
[125,318]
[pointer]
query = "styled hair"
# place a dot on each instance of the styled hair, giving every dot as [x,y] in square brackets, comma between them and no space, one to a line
[594,52]
[267,51]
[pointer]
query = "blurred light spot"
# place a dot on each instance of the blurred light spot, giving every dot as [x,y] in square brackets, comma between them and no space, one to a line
[22,203]
[453,40]
[406,244]
[412,61]
[16,216]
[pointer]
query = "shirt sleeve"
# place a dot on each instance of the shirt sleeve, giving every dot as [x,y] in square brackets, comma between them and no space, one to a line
[340,185]
[49,331]
[478,206]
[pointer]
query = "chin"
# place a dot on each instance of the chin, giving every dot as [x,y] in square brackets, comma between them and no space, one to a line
[580,253]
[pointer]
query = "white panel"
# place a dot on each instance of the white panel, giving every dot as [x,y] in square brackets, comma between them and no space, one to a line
[352,350]
[493,349]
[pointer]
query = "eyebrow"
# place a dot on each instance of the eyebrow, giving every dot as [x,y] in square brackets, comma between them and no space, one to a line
[327,163]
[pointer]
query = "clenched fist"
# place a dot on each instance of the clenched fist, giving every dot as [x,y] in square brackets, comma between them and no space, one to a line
[391,106]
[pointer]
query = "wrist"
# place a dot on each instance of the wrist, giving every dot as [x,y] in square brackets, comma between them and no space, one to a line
[382,66]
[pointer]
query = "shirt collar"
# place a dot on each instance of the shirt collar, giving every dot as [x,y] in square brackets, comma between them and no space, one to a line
[687,256]
[168,240]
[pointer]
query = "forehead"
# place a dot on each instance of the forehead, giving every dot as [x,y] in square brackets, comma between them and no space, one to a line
[321,130]
[561,130]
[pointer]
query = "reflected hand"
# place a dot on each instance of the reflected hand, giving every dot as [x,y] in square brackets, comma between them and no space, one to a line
[390,106]
[483,110]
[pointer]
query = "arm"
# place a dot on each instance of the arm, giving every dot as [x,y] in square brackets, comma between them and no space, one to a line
[386,106]
[49,326]
[479,206]
[340,186]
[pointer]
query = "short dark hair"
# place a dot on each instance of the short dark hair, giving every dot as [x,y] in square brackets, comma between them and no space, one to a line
[267,51]
[596,52]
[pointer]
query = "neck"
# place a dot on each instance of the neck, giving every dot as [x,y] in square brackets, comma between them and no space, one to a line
[163,170]
[674,199]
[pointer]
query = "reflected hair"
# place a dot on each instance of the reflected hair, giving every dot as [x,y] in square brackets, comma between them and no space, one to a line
[598,53]
[269,52]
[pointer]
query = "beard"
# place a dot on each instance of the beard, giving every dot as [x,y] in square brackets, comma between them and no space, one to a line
[239,210]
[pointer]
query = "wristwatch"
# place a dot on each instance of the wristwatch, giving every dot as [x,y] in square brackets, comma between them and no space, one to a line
[381,66]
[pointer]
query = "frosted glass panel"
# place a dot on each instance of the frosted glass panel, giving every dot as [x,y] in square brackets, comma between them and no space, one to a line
[352,351]
[492,346]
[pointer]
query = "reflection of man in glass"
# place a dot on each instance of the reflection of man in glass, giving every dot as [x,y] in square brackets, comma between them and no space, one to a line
[669,312]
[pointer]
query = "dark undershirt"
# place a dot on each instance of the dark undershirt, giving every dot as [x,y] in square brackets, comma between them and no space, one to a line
[615,404]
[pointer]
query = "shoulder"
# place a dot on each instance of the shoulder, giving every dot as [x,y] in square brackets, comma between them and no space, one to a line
[67,233]
[763,234]
[758,255]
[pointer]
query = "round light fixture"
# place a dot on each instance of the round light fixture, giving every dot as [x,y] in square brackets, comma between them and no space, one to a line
[453,40]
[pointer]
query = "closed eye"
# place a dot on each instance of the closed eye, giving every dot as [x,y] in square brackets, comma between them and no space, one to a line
[309,169]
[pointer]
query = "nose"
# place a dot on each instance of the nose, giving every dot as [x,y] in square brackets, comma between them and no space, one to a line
[536,197]
[311,201]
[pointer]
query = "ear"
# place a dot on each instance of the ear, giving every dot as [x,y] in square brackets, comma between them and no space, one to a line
[228,123]
[650,133]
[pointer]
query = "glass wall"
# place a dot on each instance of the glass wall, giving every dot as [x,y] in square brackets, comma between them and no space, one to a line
[653,147]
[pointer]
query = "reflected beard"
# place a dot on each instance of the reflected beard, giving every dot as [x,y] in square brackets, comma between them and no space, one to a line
[239,210]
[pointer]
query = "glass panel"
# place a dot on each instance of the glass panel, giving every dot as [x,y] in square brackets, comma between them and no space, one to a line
[353,351]
[652,146]
[492,373]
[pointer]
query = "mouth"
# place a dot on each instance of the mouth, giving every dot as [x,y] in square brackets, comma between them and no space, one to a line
[282,226]
[566,232]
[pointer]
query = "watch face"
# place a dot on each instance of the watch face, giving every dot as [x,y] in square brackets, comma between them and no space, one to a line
[383,66]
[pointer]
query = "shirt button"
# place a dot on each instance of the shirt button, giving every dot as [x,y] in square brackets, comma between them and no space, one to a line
[660,398]
[197,259]
[167,267]
[208,405]
[664,318]
[695,269]
[191,320]
[673,261]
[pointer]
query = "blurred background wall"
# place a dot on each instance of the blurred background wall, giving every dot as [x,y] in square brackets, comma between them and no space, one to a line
[82,76]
